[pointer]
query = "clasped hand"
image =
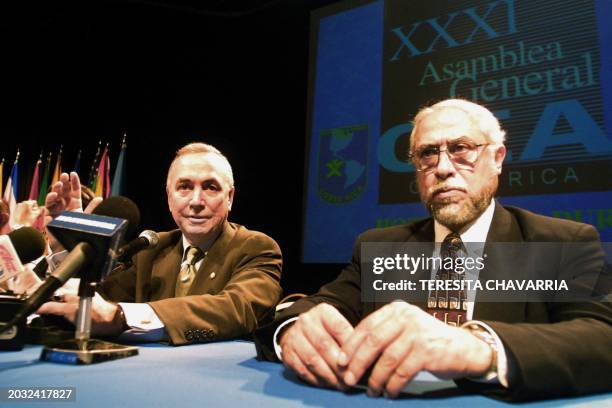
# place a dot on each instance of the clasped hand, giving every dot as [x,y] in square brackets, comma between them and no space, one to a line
[397,341]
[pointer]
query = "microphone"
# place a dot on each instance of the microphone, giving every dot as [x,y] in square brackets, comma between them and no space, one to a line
[29,243]
[102,233]
[21,246]
[79,257]
[146,240]
[90,238]
[116,206]
[121,207]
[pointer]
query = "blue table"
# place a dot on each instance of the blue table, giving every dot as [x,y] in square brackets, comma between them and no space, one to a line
[206,375]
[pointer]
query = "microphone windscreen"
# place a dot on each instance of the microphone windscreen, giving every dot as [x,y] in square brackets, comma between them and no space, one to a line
[28,243]
[121,207]
[150,236]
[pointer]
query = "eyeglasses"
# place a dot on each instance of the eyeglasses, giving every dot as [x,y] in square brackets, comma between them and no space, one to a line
[462,153]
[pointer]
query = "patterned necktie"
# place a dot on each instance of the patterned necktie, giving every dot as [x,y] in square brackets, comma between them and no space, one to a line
[188,271]
[450,306]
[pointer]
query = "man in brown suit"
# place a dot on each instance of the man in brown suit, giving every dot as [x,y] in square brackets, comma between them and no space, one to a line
[208,280]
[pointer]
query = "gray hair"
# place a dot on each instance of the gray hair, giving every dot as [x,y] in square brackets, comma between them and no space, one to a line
[196,147]
[481,116]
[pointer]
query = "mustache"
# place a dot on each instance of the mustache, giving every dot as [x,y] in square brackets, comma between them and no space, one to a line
[439,188]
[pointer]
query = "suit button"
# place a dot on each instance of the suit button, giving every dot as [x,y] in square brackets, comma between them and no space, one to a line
[189,335]
[212,275]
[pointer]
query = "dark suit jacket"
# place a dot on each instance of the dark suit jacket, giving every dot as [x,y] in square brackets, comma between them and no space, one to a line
[235,289]
[554,348]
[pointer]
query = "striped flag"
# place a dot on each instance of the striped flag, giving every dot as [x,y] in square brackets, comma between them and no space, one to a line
[35,185]
[102,187]
[107,181]
[118,185]
[58,168]
[91,179]
[10,193]
[44,183]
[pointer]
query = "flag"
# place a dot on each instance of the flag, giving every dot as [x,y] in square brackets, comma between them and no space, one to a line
[118,185]
[102,186]
[77,163]
[58,168]
[34,186]
[1,178]
[94,185]
[44,183]
[10,193]
[107,181]
[91,180]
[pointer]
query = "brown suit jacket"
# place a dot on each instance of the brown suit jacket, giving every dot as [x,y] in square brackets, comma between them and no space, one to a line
[235,289]
[555,349]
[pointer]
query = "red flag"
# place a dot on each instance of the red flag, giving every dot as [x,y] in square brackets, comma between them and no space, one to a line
[102,188]
[35,186]
[58,167]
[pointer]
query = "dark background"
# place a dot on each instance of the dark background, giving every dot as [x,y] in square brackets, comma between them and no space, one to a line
[230,73]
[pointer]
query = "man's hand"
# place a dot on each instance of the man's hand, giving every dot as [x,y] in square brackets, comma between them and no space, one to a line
[92,205]
[406,340]
[65,195]
[104,320]
[312,344]
[29,214]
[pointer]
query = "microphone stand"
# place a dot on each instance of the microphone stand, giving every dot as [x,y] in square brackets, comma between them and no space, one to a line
[83,321]
[82,349]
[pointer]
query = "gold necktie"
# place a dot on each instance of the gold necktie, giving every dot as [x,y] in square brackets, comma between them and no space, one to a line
[188,271]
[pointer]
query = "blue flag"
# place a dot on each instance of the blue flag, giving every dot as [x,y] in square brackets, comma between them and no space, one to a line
[118,184]
[10,194]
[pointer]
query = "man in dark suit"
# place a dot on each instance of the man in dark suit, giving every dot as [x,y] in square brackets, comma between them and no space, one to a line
[208,280]
[518,350]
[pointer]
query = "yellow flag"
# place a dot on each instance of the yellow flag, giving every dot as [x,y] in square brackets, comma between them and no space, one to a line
[58,168]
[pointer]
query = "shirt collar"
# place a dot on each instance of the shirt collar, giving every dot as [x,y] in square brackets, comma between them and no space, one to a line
[476,232]
[186,245]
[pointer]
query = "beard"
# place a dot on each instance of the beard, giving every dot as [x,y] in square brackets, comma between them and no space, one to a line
[455,214]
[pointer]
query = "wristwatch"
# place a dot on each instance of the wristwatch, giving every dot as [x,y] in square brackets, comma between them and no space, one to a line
[488,338]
